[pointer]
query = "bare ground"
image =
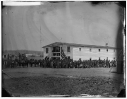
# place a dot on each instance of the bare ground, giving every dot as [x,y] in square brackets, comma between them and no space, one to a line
[73,82]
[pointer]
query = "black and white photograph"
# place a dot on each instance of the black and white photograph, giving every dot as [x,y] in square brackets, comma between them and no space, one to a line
[63,49]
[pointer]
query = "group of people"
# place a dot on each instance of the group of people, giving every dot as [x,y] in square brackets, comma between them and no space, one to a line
[69,63]
[23,61]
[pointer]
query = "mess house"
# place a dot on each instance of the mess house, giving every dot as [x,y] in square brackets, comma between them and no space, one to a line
[79,51]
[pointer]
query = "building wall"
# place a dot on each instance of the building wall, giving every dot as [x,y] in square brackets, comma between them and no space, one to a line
[86,54]
[49,54]
[64,47]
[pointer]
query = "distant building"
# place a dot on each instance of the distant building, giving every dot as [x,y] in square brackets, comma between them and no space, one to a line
[79,51]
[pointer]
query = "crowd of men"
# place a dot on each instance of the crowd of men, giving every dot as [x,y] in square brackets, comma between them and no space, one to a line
[23,61]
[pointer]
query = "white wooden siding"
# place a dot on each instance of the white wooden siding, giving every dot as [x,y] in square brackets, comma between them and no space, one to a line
[86,54]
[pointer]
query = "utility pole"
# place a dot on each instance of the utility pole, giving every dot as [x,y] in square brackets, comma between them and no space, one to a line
[40,38]
[40,41]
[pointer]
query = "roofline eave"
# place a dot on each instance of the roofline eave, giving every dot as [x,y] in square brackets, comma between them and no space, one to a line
[79,45]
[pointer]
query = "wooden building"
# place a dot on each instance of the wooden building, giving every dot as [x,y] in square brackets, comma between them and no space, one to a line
[79,51]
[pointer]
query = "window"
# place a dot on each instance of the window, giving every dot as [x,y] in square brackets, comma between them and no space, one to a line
[99,50]
[79,49]
[68,49]
[46,50]
[54,54]
[58,54]
[107,50]
[56,49]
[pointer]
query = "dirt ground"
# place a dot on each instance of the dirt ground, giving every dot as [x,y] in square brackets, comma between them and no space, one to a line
[82,72]
[73,82]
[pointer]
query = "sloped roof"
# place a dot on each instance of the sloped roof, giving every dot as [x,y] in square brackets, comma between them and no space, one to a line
[77,45]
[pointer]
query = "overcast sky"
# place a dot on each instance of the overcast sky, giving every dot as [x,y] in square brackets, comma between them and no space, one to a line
[32,27]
